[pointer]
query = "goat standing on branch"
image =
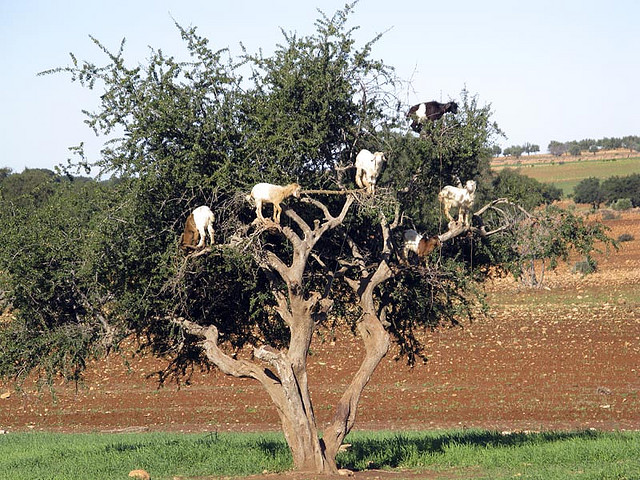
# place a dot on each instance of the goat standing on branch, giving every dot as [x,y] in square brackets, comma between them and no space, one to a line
[429,111]
[461,198]
[268,193]
[418,244]
[199,221]
[368,168]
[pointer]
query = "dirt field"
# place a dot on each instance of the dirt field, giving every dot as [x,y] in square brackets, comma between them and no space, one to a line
[563,357]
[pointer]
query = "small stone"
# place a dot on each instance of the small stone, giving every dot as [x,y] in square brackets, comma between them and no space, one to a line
[141,474]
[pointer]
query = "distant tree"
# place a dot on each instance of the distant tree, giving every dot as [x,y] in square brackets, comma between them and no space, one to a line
[631,142]
[514,151]
[31,187]
[557,148]
[530,148]
[594,149]
[525,191]
[551,235]
[574,149]
[496,151]
[589,191]
[616,187]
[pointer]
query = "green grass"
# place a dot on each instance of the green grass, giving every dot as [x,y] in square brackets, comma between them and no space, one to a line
[112,456]
[566,175]
[455,454]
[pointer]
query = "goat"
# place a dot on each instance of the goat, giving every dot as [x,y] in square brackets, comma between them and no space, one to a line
[460,197]
[198,221]
[431,111]
[268,193]
[418,244]
[368,168]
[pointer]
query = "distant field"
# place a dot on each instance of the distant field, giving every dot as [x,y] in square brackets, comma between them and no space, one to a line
[567,174]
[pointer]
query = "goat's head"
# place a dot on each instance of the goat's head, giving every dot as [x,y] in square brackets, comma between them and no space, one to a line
[296,190]
[451,107]
[378,160]
[470,186]
[428,245]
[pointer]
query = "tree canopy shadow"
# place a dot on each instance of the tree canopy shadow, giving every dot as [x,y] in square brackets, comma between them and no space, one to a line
[400,449]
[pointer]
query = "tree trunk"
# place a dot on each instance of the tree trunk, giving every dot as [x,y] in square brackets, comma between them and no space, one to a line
[376,342]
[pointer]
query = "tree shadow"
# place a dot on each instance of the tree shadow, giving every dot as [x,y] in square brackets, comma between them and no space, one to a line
[398,450]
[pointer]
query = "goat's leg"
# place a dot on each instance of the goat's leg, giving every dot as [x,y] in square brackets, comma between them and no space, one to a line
[202,238]
[210,230]
[259,210]
[445,208]
[276,212]
[358,179]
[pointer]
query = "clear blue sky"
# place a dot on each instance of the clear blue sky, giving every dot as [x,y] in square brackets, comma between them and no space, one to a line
[551,70]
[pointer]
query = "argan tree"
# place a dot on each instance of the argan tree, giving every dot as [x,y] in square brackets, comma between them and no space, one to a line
[195,132]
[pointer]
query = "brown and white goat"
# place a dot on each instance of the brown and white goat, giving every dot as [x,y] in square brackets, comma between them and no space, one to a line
[199,222]
[267,193]
[461,198]
[418,244]
[368,168]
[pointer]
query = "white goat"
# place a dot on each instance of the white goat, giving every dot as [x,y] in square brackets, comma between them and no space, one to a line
[460,197]
[418,244]
[198,221]
[368,168]
[268,193]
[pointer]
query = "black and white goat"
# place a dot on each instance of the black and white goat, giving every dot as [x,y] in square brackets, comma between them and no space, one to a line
[429,111]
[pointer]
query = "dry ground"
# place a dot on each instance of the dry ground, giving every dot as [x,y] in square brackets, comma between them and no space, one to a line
[563,357]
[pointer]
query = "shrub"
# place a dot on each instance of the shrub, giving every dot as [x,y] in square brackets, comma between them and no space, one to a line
[621,204]
[586,266]
[626,237]
[609,215]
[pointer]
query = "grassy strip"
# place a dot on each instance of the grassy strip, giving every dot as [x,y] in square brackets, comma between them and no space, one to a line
[461,454]
[568,174]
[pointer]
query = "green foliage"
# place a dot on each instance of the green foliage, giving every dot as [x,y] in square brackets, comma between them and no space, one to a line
[610,190]
[308,110]
[517,150]
[622,204]
[616,187]
[47,265]
[525,191]
[588,191]
[427,297]
[454,148]
[549,236]
[585,267]
[30,188]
